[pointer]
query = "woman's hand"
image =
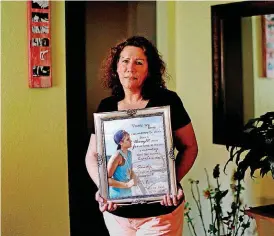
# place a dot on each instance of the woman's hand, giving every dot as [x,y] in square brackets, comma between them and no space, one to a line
[104,205]
[173,200]
[131,183]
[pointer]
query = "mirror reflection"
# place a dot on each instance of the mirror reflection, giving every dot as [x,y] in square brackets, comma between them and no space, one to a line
[257,65]
[242,66]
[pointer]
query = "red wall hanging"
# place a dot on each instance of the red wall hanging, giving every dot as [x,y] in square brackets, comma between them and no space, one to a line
[39,35]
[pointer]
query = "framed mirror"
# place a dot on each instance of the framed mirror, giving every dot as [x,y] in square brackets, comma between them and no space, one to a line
[233,61]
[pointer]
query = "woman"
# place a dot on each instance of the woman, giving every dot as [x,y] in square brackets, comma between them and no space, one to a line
[119,167]
[134,71]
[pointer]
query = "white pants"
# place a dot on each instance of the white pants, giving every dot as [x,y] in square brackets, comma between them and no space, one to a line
[169,224]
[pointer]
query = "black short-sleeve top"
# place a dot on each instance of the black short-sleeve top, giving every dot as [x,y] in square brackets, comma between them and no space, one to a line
[179,119]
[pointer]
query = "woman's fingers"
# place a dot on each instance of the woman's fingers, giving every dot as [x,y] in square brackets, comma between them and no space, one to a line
[98,197]
[174,199]
[115,207]
[169,200]
[103,206]
[101,201]
[108,206]
[111,206]
[180,194]
[164,201]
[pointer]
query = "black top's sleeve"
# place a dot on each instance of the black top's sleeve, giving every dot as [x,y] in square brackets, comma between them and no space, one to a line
[179,115]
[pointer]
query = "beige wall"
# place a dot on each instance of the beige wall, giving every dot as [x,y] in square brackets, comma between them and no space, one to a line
[34,172]
[190,59]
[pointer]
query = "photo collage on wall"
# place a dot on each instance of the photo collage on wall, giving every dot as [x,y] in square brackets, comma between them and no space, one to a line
[40,71]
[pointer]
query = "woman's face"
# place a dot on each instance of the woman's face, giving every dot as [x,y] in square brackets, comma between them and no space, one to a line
[126,142]
[132,68]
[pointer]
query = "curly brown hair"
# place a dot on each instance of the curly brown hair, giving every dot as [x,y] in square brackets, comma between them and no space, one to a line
[156,68]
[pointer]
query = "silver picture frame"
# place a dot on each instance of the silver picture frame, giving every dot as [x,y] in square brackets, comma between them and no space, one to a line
[151,153]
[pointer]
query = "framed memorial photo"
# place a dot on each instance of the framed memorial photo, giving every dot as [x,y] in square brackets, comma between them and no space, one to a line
[136,161]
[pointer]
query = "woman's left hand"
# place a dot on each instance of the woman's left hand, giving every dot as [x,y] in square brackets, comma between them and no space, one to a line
[169,200]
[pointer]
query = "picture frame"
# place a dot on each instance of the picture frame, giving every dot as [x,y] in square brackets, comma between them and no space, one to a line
[148,160]
[268,45]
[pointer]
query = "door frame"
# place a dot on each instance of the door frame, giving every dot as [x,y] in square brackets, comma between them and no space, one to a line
[83,209]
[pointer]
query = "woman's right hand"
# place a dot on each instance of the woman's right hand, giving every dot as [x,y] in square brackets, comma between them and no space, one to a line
[104,205]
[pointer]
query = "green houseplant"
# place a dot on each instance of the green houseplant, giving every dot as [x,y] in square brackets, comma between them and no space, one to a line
[255,152]
[257,148]
[225,222]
